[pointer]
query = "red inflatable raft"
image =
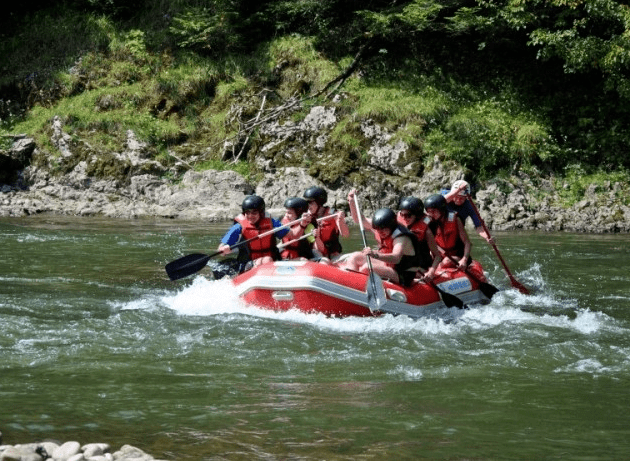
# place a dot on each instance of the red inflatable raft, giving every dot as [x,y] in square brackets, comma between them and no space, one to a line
[314,287]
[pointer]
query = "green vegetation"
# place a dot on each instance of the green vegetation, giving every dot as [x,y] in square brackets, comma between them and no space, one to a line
[496,86]
[578,179]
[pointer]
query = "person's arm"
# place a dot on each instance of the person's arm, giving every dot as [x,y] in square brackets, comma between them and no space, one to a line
[398,250]
[467,211]
[230,238]
[482,232]
[463,235]
[367,224]
[276,223]
[341,224]
[470,211]
[435,252]
[450,195]
[298,230]
[319,244]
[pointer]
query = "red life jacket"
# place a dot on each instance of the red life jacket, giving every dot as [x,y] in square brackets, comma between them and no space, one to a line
[447,235]
[264,246]
[419,227]
[301,248]
[329,234]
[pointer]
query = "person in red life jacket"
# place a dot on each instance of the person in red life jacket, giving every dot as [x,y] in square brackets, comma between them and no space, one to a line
[398,255]
[451,238]
[411,215]
[457,201]
[301,248]
[249,225]
[327,232]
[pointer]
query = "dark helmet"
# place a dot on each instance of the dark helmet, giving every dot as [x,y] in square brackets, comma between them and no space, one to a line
[436,201]
[384,218]
[253,202]
[413,204]
[298,204]
[317,194]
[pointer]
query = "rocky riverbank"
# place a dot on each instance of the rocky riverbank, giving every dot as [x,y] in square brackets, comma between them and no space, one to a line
[216,196]
[89,187]
[70,451]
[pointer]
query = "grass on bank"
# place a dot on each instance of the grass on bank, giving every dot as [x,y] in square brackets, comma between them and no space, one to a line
[183,102]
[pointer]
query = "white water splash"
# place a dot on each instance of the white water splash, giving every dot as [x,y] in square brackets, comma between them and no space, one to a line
[204,297]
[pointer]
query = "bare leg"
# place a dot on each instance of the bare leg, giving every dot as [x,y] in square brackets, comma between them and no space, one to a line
[355,261]
[382,270]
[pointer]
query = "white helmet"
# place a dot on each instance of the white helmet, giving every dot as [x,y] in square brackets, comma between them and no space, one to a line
[458,184]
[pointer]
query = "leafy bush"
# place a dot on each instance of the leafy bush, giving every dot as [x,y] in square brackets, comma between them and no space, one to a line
[206,30]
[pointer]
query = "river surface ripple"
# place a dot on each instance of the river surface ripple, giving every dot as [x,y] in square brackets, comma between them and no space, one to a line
[97,345]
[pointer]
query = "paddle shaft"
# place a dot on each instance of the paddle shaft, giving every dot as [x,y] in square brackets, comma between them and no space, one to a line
[372,289]
[513,280]
[449,300]
[190,264]
[356,205]
[488,289]
[272,231]
[285,244]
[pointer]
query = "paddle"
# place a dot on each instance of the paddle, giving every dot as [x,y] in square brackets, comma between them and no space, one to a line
[486,288]
[449,300]
[513,280]
[285,244]
[375,291]
[191,264]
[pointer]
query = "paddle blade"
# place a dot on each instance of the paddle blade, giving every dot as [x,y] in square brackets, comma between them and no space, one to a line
[185,266]
[376,296]
[516,285]
[488,289]
[450,300]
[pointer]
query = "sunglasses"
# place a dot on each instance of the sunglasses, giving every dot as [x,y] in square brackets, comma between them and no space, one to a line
[406,215]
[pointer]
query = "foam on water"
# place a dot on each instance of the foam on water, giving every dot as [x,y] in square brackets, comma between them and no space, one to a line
[204,297]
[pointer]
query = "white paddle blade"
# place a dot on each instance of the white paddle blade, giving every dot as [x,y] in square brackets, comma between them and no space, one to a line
[376,296]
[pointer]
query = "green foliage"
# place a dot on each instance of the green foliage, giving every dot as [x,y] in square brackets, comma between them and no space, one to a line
[208,29]
[577,179]
[241,167]
[46,42]
[492,84]
[126,111]
[416,16]
[299,65]
[394,105]
[485,138]
[131,44]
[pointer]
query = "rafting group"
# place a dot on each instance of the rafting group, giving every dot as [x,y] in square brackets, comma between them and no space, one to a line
[415,242]
[419,241]
[421,267]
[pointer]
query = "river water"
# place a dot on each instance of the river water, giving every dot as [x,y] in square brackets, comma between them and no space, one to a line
[97,345]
